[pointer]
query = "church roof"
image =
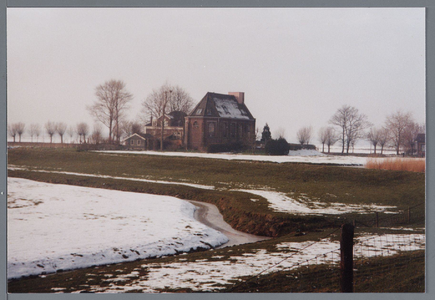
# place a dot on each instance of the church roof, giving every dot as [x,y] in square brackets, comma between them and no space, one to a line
[222,106]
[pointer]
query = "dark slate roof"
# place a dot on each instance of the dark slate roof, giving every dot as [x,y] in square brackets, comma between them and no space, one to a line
[177,118]
[221,105]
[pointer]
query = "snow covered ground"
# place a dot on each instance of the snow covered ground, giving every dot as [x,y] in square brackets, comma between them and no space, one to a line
[302,156]
[306,206]
[203,275]
[52,227]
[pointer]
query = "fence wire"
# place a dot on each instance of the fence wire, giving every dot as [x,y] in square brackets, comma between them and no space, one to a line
[374,256]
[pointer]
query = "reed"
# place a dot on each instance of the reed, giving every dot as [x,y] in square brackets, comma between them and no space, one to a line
[398,164]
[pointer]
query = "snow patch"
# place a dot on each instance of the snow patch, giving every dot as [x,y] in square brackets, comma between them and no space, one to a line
[206,275]
[282,203]
[299,156]
[76,227]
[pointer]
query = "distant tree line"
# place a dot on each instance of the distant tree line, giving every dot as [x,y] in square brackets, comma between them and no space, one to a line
[348,125]
[109,109]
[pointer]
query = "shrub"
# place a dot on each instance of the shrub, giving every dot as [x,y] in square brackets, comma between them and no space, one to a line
[230,147]
[277,147]
[294,147]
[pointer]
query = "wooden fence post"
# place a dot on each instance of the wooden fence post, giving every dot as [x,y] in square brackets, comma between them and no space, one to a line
[346,263]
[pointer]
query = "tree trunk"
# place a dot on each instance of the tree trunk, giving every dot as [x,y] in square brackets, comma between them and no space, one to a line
[163,128]
[110,132]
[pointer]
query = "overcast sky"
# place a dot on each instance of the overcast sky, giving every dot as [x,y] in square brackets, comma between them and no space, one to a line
[297,66]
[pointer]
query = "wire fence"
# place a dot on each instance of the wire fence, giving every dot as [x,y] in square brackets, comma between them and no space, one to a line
[374,256]
[412,215]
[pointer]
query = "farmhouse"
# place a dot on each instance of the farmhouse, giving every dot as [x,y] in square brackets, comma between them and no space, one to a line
[173,129]
[219,119]
[139,141]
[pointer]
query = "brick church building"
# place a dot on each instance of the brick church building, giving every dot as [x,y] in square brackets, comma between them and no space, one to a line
[219,119]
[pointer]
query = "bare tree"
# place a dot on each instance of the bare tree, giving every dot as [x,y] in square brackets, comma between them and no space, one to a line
[384,138]
[397,124]
[327,136]
[410,136]
[50,128]
[331,137]
[158,103]
[82,131]
[374,136]
[60,129]
[180,100]
[70,132]
[280,133]
[112,100]
[352,124]
[35,129]
[304,135]
[20,129]
[130,127]
[97,134]
[12,129]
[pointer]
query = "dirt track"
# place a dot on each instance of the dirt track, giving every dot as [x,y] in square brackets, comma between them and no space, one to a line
[209,215]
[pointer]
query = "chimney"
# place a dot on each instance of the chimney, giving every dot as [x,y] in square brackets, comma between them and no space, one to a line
[240,96]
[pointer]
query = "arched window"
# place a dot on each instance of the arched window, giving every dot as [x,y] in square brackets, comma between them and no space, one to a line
[225,129]
[211,129]
[195,124]
[233,130]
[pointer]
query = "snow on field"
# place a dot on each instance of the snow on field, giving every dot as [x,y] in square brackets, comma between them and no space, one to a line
[301,156]
[204,275]
[52,227]
[303,205]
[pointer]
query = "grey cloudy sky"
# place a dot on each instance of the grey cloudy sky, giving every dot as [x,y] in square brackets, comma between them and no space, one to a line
[297,66]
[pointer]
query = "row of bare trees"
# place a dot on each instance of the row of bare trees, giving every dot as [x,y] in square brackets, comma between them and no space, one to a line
[112,102]
[113,99]
[399,131]
[53,128]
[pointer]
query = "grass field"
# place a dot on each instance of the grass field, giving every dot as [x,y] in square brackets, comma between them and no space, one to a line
[327,184]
